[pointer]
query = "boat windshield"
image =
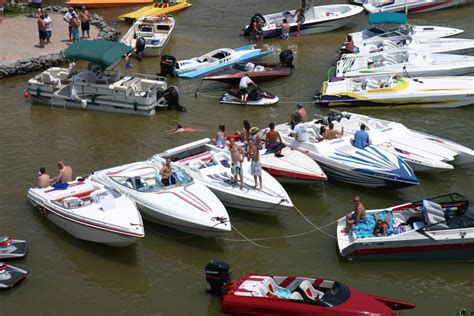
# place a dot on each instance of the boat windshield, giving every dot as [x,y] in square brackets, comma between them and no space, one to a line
[147,183]
[182,177]
[337,295]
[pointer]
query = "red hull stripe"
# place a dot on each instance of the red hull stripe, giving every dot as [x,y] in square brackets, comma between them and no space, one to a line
[426,7]
[78,195]
[374,251]
[317,282]
[294,175]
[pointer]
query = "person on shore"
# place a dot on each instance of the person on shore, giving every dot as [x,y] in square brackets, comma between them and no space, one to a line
[166,172]
[302,112]
[67,18]
[221,136]
[285,30]
[65,173]
[179,129]
[361,138]
[85,19]
[75,23]
[237,155]
[43,178]
[355,217]
[381,226]
[41,31]
[48,26]
[273,141]
[255,166]
[244,88]
[331,133]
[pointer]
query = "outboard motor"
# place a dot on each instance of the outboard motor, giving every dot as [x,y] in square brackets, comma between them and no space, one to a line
[140,48]
[167,65]
[171,95]
[218,276]
[286,58]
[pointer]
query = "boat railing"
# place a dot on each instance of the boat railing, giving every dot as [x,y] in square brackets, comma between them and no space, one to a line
[149,77]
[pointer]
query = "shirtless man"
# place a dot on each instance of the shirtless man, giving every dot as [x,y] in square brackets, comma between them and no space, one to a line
[65,173]
[358,215]
[331,133]
[255,165]
[302,112]
[237,155]
[166,172]
[273,141]
[43,178]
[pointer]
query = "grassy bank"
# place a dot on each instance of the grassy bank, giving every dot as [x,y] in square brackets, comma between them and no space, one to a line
[12,11]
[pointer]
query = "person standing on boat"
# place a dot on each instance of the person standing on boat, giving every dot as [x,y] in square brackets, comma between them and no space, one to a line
[166,173]
[237,155]
[65,173]
[43,178]
[302,112]
[300,18]
[244,88]
[257,32]
[255,165]
[285,30]
[355,217]
[361,138]
[85,19]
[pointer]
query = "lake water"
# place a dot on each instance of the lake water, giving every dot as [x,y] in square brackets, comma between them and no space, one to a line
[163,274]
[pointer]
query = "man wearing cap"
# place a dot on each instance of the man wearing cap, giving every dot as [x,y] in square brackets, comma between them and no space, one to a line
[302,112]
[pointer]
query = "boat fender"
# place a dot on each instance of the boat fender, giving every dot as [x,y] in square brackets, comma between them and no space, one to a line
[135,106]
[38,92]
[140,47]
[84,104]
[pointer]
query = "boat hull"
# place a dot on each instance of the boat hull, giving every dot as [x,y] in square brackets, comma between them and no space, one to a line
[85,231]
[414,7]
[152,10]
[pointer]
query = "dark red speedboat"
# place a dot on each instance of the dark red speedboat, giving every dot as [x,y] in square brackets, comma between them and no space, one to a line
[255,71]
[260,294]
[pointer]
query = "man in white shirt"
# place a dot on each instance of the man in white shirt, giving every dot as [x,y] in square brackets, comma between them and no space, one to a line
[299,130]
[243,86]
[48,22]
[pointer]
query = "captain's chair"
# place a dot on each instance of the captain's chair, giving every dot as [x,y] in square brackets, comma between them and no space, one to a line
[310,291]
[296,296]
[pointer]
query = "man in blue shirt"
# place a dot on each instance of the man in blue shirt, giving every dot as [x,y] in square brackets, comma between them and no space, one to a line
[361,138]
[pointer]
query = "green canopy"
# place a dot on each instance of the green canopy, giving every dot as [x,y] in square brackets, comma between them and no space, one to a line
[100,52]
[387,17]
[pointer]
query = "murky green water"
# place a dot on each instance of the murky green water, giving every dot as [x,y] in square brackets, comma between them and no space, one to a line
[163,274]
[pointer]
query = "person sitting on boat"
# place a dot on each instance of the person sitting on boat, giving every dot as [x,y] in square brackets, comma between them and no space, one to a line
[361,138]
[322,131]
[43,178]
[355,217]
[166,172]
[244,133]
[381,226]
[273,141]
[237,155]
[65,173]
[348,47]
[331,133]
[179,129]
[244,88]
[285,30]
[220,138]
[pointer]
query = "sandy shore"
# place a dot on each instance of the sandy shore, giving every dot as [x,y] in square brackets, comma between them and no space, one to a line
[19,38]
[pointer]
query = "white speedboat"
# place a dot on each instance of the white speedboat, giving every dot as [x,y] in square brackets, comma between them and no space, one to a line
[101,88]
[408,43]
[392,26]
[396,91]
[183,204]
[318,19]
[370,167]
[216,59]
[405,139]
[402,63]
[440,229]
[155,33]
[12,248]
[210,165]
[410,6]
[90,211]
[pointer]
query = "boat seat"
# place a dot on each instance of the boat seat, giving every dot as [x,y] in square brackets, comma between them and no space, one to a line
[310,291]
[270,283]
[433,215]
[221,158]
[48,79]
[196,164]
[418,225]
[296,296]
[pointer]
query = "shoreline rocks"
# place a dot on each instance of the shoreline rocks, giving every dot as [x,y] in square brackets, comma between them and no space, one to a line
[32,64]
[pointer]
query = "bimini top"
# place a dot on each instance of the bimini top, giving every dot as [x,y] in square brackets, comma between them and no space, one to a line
[100,52]
[387,17]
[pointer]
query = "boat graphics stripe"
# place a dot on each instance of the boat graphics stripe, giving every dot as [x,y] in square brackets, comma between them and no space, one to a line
[191,200]
[294,175]
[381,251]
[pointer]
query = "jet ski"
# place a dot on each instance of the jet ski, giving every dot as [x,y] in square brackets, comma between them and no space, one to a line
[10,276]
[256,96]
[12,248]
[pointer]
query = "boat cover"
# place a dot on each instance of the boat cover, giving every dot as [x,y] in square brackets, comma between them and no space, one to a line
[387,17]
[100,52]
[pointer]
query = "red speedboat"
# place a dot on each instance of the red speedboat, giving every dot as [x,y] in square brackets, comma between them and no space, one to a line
[255,71]
[260,294]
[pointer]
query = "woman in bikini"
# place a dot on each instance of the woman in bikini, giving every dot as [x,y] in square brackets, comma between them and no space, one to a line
[381,226]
